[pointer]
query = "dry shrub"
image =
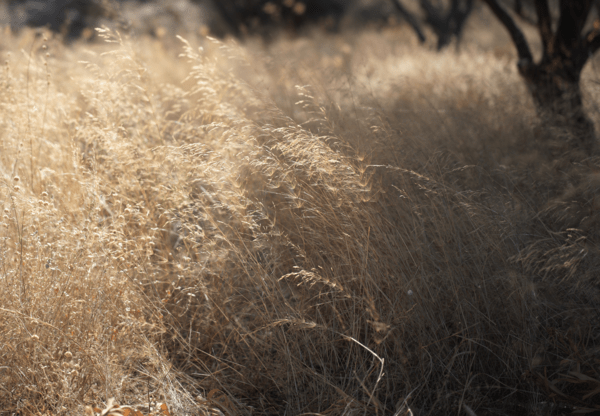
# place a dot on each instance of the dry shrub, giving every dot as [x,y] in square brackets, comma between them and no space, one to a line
[352,233]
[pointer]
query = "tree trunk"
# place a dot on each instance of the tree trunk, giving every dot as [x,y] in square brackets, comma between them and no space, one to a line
[559,105]
[554,82]
[447,23]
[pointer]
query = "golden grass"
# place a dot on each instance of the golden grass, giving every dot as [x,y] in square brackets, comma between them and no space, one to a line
[339,225]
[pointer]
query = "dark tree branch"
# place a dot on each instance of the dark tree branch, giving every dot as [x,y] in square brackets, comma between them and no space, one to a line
[570,43]
[516,35]
[411,20]
[525,18]
[518,7]
[521,13]
[462,15]
[446,23]
[573,15]
[544,25]
[592,39]
[440,23]
[433,15]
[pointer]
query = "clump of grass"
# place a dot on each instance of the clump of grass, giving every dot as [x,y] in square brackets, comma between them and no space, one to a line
[76,329]
[353,233]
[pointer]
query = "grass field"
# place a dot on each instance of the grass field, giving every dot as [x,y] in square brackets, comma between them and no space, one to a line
[336,224]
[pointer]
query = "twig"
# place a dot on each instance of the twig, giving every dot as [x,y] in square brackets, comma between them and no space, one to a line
[468,410]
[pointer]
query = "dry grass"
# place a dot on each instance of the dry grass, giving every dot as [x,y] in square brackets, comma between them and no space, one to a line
[341,225]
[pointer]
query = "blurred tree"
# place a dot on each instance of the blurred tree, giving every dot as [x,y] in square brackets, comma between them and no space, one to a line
[258,16]
[68,17]
[446,20]
[554,81]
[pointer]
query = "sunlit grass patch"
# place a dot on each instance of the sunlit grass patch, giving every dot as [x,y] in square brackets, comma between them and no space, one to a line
[340,225]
